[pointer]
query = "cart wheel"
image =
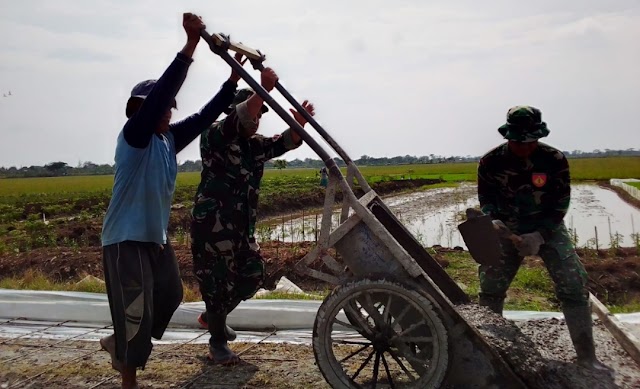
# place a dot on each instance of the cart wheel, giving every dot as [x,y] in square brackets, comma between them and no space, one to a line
[379,333]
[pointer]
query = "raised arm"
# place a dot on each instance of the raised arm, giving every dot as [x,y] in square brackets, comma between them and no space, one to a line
[243,119]
[289,139]
[143,124]
[268,79]
[186,130]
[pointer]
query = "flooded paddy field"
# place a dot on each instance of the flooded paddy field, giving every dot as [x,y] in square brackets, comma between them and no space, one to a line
[597,217]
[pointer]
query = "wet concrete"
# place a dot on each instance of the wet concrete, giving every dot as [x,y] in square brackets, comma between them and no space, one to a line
[432,216]
[542,355]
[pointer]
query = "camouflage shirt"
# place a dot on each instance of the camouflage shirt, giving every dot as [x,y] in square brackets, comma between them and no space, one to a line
[527,194]
[232,168]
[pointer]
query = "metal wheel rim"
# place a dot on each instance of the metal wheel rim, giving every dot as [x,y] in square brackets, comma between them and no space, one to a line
[384,343]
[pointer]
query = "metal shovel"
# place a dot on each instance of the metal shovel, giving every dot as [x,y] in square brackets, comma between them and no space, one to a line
[482,237]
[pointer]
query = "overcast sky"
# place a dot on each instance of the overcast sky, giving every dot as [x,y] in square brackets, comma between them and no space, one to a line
[388,78]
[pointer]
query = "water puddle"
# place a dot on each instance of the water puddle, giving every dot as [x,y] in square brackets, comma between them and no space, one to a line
[597,216]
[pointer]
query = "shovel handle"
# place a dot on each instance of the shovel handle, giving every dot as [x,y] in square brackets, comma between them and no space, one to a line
[506,233]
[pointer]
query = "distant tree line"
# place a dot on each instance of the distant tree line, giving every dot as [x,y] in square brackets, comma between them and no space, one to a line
[59,168]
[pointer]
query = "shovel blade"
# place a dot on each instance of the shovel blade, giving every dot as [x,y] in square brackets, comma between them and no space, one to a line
[482,240]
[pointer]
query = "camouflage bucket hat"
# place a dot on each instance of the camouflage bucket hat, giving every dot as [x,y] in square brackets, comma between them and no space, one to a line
[242,95]
[524,124]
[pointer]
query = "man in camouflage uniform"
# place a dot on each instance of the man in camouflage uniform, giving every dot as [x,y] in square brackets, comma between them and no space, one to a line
[226,260]
[526,185]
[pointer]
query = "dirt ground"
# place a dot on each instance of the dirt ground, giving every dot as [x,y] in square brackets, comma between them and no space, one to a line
[539,351]
[83,365]
[613,277]
[63,264]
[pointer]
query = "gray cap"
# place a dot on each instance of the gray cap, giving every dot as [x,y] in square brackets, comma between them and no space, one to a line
[143,88]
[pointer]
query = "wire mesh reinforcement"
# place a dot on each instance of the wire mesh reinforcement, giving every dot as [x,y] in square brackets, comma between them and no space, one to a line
[38,348]
[179,345]
[8,341]
[196,378]
[14,340]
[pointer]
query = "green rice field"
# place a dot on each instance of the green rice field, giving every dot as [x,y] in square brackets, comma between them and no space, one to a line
[581,169]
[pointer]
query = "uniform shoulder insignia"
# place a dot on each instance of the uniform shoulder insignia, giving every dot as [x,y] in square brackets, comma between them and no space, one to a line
[539,179]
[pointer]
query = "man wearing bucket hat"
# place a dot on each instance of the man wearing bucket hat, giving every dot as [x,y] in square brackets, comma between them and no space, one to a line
[526,185]
[141,272]
[226,259]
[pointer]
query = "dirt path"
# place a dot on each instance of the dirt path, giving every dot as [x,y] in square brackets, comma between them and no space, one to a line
[540,352]
[82,365]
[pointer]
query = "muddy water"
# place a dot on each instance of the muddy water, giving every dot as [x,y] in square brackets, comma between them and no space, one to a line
[595,216]
[599,214]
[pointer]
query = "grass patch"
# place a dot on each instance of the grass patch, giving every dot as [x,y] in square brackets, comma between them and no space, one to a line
[533,279]
[531,289]
[87,197]
[604,168]
[627,308]
[634,184]
[36,280]
[190,293]
[464,270]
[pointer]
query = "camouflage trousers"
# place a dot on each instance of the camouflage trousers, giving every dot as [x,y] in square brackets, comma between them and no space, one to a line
[226,269]
[561,260]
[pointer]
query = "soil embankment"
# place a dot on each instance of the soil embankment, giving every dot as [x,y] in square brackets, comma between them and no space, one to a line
[614,277]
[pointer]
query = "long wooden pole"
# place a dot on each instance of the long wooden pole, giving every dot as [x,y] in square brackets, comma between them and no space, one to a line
[627,340]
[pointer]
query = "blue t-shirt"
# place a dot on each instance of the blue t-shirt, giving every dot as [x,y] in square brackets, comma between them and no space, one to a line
[145,162]
[144,184]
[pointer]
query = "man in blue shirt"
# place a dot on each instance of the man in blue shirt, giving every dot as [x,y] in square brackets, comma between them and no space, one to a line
[141,271]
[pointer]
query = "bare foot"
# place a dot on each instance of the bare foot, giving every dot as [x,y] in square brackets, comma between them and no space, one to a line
[128,374]
[108,344]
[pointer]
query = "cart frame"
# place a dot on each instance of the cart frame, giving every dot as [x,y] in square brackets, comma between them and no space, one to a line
[372,242]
